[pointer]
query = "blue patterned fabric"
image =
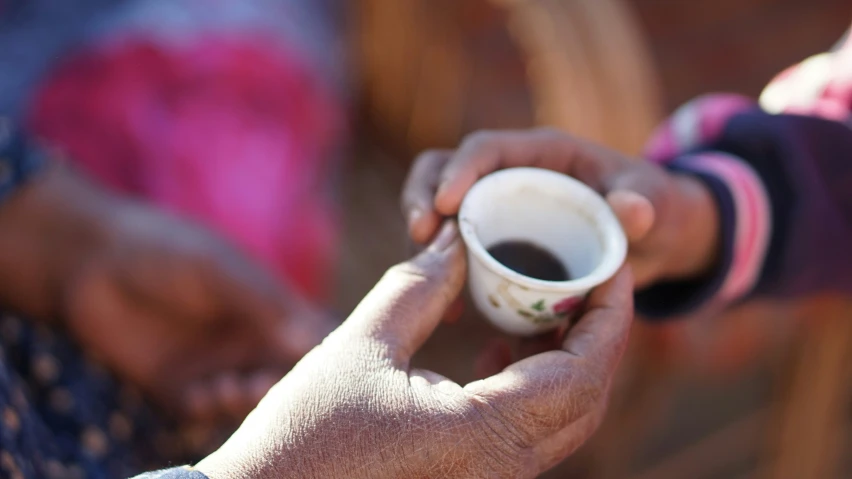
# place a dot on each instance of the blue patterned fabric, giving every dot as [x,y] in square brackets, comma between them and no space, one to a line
[62,416]
[18,162]
[176,473]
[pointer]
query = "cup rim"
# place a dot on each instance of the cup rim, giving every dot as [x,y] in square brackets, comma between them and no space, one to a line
[615,248]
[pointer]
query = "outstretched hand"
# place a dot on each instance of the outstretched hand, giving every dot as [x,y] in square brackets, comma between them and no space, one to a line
[354,407]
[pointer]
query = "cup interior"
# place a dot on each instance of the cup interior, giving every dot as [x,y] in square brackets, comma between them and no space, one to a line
[549,210]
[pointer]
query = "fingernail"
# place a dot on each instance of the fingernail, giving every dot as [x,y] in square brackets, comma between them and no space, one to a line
[414,216]
[445,237]
[442,189]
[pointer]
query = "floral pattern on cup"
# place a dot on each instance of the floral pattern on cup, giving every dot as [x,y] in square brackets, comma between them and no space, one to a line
[538,313]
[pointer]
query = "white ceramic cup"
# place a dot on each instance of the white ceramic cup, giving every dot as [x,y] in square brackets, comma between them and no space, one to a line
[554,212]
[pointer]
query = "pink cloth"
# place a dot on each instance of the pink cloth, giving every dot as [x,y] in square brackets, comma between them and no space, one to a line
[231,131]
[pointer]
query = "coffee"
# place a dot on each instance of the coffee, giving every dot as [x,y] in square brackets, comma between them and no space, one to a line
[530,260]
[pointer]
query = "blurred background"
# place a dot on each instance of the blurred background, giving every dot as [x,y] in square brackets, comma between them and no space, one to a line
[295,145]
[763,392]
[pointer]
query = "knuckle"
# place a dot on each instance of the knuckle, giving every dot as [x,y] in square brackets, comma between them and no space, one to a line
[420,279]
[413,277]
[407,273]
[480,139]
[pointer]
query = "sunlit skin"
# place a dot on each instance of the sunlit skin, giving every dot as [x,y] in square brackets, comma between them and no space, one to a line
[354,407]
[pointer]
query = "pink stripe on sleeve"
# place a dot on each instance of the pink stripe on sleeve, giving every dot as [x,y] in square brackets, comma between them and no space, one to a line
[700,121]
[753,218]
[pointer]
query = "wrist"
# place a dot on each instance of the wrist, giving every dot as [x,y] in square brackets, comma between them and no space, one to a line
[221,465]
[696,250]
[252,452]
[214,468]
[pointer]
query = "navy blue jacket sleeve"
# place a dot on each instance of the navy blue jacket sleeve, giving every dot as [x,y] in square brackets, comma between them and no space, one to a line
[804,165]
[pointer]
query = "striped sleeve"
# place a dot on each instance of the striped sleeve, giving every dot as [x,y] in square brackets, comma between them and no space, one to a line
[782,186]
[751,221]
[743,204]
[781,175]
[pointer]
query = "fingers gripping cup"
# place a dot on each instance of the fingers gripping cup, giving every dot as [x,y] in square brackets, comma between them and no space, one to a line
[538,242]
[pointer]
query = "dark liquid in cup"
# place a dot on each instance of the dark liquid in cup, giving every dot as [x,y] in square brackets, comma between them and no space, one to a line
[530,260]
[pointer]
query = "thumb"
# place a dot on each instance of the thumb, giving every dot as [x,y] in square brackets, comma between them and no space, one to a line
[552,390]
[407,304]
[634,211]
